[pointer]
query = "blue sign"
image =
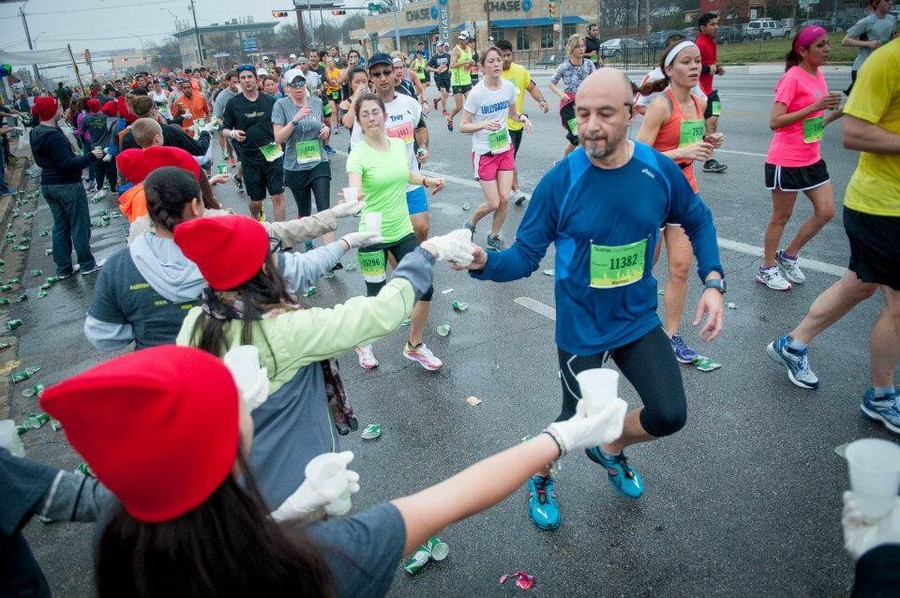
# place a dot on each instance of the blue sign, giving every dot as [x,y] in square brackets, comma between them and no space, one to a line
[526,5]
[250,44]
[434,12]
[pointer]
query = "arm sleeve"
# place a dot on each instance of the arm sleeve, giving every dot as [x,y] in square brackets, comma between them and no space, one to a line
[878,573]
[62,156]
[294,232]
[228,116]
[175,137]
[686,208]
[24,483]
[354,160]
[301,270]
[279,116]
[858,28]
[786,89]
[74,497]
[106,326]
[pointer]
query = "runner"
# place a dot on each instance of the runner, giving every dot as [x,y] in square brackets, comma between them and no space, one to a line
[333,88]
[606,301]
[572,73]
[160,97]
[439,64]
[521,79]
[592,45]
[299,127]
[641,99]
[793,162]
[872,223]
[487,108]
[709,51]
[248,121]
[379,166]
[358,83]
[869,33]
[674,126]
[229,149]
[404,122]
[419,66]
[460,75]
[189,107]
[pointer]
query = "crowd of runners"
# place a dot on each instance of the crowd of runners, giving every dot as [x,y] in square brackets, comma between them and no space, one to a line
[190,289]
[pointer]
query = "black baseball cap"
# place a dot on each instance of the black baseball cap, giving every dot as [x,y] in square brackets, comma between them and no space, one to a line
[380,58]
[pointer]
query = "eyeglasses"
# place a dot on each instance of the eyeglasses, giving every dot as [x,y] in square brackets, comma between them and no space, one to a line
[377,74]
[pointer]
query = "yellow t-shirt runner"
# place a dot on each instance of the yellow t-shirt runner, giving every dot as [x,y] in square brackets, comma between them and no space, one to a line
[520,78]
[460,75]
[874,187]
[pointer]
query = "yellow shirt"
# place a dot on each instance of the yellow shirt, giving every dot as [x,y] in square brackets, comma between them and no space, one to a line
[460,75]
[520,78]
[332,74]
[874,187]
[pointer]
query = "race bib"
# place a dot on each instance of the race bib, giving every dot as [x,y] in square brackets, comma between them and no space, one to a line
[572,123]
[692,131]
[498,141]
[403,131]
[372,265]
[716,108]
[307,151]
[617,266]
[271,152]
[813,129]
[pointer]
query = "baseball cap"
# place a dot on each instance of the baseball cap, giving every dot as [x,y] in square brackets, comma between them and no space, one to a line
[380,58]
[295,78]
[463,35]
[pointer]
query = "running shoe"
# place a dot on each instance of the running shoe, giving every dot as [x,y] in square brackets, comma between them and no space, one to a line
[232,162]
[97,266]
[468,224]
[329,150]
[337,266]
[772,278]
[620,474]
[449,124]
[74,271]
[795,362]
[495,243]
[789,268]
[542,506]
[517,197]
[239,183]
[885,409]
[367,359]
[435,101]
[683,353]
[714,166]
[423,355]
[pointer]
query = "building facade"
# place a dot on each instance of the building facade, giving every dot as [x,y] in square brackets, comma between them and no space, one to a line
[226,43]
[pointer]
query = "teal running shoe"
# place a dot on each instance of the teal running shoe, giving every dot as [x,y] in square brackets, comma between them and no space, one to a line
[620,474]
[885,409]
[542,506]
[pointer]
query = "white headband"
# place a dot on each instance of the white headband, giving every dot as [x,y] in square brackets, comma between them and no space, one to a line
[670,57]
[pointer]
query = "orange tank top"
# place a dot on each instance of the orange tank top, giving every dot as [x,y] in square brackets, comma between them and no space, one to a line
[670,134]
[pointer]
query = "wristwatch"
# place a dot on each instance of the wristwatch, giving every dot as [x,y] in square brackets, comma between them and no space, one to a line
[717,284]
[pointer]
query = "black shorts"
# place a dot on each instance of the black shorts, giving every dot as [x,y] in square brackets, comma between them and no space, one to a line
[316,182]
[874,252]
[259,178]
[516,138]
[796,178]
[462,89]
[398,249]
[567,115]
[852,82]
[713,105]
[442,83]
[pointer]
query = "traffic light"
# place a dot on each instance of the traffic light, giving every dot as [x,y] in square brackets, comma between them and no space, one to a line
[553,9]
[279,14]
[338,12]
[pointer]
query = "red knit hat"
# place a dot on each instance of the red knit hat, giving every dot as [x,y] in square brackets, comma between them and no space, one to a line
[45,107]
[158,426]
[229,250]
[135,164]
[93,105]
[124,111]
[110,109]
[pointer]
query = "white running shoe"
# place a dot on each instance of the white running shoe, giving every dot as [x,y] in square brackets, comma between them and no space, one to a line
[423,355]
[366,357]
[790,268]
[772,278]
[518,197]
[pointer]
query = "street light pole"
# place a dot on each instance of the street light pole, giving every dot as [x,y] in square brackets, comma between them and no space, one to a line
[37,74]
[197,33]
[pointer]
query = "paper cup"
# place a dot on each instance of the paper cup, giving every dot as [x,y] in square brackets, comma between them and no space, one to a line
[598,386]
[351,194]
[243,362]
[874,475]
[373,222]
[326,474]
[9,438]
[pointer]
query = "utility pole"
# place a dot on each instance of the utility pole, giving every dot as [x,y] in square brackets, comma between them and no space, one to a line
[300,29]
[196,33]
[37,74]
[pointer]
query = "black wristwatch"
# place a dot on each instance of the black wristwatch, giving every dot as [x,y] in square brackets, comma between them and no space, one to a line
[717,284]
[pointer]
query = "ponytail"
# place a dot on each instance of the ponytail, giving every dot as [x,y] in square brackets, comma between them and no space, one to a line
[791,59]
[168,190]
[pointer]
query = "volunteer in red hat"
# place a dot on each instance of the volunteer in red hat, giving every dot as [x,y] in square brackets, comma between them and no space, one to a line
[166,432]
[148,286]
[61,187]
[251,300]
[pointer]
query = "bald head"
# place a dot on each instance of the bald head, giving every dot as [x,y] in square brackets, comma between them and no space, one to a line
[607,81]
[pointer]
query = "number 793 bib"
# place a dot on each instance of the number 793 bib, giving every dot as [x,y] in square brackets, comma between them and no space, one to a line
[617,266]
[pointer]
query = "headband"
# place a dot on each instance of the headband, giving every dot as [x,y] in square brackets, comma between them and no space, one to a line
[808,35]
[670,57]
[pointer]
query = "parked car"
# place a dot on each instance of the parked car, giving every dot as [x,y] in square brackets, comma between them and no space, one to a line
[729,35]
[766,29]
[620,47]
[657,39]
[826,25]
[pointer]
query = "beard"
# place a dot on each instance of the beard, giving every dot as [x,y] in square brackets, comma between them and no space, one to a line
[597,153]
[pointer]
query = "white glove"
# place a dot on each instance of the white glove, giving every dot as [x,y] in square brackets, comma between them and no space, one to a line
[362,239]
[456,247]
[581,432]
[307,501]
[258,393]
[107,158]
[860,536]
[211,127]
[347,208]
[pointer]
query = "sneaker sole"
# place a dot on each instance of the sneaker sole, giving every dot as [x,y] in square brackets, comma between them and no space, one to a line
[519,201]
[763,282]
[775,356]
[368,367]
[427,367]
[875,416]
[682,361]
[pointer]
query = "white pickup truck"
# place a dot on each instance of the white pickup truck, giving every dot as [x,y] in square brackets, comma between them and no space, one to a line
[766,29]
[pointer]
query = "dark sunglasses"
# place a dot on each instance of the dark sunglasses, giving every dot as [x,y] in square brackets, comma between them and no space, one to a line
[377,74]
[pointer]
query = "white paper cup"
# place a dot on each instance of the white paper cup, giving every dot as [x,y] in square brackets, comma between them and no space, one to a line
[9,438]
[874,475]
[351,194]
[243,362]
[326,474]
[373,222]
[598,386]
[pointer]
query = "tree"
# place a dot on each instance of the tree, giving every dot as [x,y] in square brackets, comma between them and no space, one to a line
[166,54]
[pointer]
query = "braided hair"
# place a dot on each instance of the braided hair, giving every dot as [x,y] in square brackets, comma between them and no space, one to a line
[168,190]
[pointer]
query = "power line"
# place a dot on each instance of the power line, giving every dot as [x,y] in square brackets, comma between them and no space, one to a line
[131,6]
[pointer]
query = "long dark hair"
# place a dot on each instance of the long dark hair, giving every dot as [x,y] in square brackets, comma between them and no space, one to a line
[169,189]
[657,86]
[793,57]
[227,546]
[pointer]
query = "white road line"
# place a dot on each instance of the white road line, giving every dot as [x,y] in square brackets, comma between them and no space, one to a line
[741,153]
[537,307]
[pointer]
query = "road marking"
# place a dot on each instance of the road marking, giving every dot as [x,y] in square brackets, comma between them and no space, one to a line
[537,307]
[741,153]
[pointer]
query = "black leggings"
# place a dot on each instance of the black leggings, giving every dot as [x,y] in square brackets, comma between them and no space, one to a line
[650,365]
[398,249]
[316,181]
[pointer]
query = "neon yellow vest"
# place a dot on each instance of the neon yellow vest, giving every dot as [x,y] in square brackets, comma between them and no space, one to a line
[461,75]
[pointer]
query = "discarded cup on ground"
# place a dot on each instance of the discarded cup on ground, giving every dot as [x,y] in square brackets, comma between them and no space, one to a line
[351,194]
[460,306]
[437,548]
[326,474]
[598,387]
[4,300]
[9,438]
[874,466]
[417,560]
[371,432]
[35,420]
[444,329]
[35,390]
[373,222]
[13,324]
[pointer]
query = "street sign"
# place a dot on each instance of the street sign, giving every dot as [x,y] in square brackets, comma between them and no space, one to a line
[221,55]
[250,44]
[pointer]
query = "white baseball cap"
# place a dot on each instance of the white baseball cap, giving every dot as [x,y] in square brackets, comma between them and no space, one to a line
[292,56]
[463,35]
[265,57]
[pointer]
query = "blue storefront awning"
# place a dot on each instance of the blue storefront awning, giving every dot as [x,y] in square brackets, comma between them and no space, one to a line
[415,31]
[539,22]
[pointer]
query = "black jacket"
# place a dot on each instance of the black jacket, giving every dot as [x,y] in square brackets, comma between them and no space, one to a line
[878,573]
[174,137]
[52,152]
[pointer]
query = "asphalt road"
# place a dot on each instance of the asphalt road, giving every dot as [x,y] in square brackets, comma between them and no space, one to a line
[745,501]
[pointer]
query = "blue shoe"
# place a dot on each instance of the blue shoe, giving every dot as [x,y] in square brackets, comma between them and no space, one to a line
[683,353]
[329,150]
[795,362]
[885,409]
[620,474]
[542,506]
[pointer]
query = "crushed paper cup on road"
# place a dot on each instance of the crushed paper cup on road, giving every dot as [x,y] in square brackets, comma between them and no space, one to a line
[460,306]
[523,580]
[371,432]
[419,559]
[444,329]
[473,401]
[35,390]
[437,548]
[731,305]
[447,291]
[549,272]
